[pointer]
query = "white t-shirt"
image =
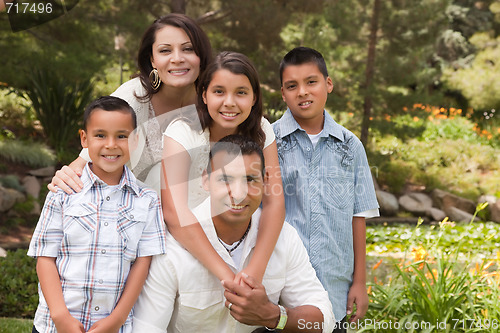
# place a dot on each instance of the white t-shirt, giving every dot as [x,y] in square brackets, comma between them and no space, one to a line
[197,144]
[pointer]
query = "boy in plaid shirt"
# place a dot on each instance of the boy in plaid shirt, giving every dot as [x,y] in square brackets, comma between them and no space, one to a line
[94,247]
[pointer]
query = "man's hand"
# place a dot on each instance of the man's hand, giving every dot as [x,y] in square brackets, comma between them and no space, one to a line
[357,295]
[250,304]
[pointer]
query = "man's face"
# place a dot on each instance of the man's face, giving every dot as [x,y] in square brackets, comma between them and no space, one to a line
[305,91]
[236,186]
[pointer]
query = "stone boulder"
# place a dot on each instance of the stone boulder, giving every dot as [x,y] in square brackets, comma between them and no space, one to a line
[495,211]
[416,203]
[458,215]
[436,214]
[388,203]
[3,253]
[445,200]
[31,186]
[43,172]
[9,197]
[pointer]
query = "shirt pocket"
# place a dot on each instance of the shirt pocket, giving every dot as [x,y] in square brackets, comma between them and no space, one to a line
[80,221]
[130,225]
[339,191]
[199,307]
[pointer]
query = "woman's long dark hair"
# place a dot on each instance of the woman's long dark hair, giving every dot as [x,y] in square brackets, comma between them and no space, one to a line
[236,63]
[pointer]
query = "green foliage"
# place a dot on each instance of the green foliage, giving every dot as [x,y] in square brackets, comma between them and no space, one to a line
[59,105]
[11,181]
[18,285]
[33,154]
[438,290]
[10,325]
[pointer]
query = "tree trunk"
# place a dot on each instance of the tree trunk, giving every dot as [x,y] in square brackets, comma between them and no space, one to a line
[178,6]
[370,67]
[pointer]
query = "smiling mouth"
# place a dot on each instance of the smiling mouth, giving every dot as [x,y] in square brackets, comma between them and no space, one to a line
[178,71]
[305,103]
[236,207]
[110,157]
[229,114]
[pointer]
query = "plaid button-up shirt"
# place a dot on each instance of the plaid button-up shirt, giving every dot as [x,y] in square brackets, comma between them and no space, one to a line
[95,236]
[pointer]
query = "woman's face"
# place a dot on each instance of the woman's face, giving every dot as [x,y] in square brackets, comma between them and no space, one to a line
[174,57]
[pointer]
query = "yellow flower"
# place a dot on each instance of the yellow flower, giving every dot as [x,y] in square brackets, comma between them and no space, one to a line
[419,253]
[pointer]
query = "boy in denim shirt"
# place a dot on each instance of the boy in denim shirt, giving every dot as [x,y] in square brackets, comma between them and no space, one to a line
[327,183]
[94,248]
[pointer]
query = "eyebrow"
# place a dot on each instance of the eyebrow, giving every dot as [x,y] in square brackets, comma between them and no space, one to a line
[241,87]
[168,44]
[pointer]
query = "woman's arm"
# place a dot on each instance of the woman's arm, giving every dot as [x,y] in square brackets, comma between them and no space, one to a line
[181,222]
[68,178]
[272,217]
[133,286]
[50,284]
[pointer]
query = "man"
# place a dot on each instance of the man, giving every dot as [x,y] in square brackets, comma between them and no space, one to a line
[180,295]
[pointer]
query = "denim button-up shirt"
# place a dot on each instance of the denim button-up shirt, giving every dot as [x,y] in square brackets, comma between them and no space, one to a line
[324,187]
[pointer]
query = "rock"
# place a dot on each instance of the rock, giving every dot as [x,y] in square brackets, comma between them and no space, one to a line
[436,214]
[3,253]
[495,211]
[43,172]
[31,186]
[457,215]
[415,203]
[388,203]
[444,200]
[37,209]
[9,197]
[490,199]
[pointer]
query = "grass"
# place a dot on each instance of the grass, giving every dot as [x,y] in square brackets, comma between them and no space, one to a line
[14,325]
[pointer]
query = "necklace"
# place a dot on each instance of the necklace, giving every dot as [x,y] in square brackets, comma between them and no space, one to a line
[230,250]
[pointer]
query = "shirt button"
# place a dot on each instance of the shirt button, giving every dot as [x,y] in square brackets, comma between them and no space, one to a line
[96,308]
[101,281]
[308,149]
[103,251]
[106,224]
[131,216]
[108,198]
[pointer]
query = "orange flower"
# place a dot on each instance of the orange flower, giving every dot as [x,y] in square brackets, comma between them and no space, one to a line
[350,114]
[377,264]
[419,253]
[415,119]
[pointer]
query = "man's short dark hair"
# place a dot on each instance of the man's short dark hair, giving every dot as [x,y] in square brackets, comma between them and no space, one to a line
[109,103]
[234,145]
[303,55]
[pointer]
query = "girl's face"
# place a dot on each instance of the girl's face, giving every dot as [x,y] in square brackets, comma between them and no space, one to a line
[229,99]
[174,57]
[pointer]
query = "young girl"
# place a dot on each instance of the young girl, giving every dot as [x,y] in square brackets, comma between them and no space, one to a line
[229,102]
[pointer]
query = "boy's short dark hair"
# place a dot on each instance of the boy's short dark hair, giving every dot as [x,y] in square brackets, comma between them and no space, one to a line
[109,103]
[236,144]
[302,55]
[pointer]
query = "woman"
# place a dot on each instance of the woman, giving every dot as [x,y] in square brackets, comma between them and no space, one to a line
[173,52]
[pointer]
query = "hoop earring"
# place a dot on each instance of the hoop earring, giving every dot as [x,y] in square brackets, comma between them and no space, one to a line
[154,78]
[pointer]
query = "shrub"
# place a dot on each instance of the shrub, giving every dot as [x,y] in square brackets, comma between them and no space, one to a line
[32,154]
[18,285]
[59,105]
[437,290]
